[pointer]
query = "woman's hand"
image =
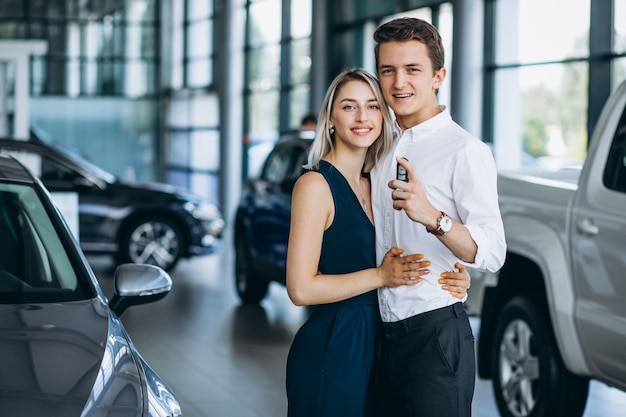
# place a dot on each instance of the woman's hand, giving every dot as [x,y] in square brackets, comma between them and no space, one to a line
[396,270]
[456,282]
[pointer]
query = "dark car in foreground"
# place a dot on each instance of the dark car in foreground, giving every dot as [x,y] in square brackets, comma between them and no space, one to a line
[262,220]
[150,223]
[63,349]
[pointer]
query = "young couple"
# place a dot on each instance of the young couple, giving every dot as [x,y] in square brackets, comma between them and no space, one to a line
[409,270]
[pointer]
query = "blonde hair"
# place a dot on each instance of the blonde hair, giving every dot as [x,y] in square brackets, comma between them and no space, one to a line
[324,140]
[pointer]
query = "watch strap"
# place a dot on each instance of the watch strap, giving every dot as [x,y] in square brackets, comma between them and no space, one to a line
[438,231]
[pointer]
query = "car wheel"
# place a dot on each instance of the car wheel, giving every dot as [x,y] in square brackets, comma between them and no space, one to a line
[529,378]
[154,240]
[251,286]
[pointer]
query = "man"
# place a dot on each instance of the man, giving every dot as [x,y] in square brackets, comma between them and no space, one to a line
[308,122]
[448,210]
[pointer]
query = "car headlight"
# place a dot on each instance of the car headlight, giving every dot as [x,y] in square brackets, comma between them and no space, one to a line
[203,211]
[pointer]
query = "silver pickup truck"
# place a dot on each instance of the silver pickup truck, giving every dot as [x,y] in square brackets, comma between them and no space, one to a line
[554,316]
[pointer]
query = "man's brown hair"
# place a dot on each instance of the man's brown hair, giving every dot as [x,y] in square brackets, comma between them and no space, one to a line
[406,29]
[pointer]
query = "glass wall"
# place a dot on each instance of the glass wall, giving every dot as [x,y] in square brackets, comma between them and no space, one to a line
[199,43]
[95,48]
[192,150]
[191,136]
[278,65]
[115,133]
[548,69]
[540,75]
[94,89]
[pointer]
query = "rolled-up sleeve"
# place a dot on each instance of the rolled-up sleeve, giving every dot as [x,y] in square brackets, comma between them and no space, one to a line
[475,185]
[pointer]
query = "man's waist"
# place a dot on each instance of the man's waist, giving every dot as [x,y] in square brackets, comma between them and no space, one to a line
[400,303]
[428,318]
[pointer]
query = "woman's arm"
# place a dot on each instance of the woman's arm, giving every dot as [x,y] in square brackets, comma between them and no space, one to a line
[312,212]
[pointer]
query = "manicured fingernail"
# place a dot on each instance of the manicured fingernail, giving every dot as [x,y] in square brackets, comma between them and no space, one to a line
[400,250]
[441,281]
[452,293]
[427,263]
[443,275]
[420,279]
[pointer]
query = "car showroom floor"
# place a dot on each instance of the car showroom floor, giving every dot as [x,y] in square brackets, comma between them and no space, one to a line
[224,359]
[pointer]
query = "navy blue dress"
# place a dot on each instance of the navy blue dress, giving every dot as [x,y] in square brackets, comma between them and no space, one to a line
[329,367]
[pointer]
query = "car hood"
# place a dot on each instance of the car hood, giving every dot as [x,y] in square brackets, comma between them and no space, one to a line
[168,190]
[152,186]
[51,361]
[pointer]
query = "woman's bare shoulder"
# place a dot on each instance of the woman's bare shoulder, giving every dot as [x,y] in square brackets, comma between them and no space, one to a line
[312,180]
[312,188]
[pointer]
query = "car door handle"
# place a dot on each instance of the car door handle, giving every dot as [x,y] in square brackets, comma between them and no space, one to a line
[586,227]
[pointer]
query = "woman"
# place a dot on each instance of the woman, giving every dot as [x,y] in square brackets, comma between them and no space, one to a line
[331,260]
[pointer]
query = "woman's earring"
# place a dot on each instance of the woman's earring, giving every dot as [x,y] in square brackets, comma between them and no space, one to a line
[331,130]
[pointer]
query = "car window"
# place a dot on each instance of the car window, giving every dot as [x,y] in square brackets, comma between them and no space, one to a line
[34,266]
[43,166]
[278,164]
[53,170]
[615,169]
[300,158]
[285,163]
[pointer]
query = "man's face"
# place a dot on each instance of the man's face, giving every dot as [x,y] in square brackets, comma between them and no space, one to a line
[408,81]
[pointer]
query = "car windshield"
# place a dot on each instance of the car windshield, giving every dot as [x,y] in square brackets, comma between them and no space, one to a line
[77,159]
[34,265]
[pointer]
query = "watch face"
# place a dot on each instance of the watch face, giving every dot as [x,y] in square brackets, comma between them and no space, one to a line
[445,224]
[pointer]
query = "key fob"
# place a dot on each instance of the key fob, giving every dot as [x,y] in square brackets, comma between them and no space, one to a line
[401,173]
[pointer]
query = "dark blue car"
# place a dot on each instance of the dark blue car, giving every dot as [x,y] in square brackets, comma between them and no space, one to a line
[262,221]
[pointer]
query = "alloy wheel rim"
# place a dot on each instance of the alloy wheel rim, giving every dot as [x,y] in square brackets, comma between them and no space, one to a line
[519,368]
[154,243]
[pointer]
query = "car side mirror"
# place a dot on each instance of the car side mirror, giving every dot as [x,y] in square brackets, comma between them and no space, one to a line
[136,284]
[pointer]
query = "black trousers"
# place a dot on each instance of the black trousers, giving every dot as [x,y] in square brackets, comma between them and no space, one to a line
[427,367]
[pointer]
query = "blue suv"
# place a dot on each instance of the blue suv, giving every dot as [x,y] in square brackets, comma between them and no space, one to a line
[262,221]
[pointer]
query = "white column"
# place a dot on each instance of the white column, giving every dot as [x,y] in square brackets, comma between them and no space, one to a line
[467,71]
[19,52]
[231,90]
[4,121]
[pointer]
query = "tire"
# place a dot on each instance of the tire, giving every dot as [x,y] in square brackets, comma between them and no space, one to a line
[529,377]
[251,286]
[153,240]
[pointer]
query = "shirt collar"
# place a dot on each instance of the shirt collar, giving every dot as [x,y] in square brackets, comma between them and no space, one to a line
[429,126]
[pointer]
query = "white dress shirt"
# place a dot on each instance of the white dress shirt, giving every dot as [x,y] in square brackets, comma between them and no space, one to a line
[459,176]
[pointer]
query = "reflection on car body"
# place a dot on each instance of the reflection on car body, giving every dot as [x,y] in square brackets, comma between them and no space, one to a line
[64,349]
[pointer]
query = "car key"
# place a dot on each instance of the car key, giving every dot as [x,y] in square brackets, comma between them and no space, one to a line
[401,173]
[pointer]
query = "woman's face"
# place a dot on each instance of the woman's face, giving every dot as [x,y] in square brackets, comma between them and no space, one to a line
[356,115]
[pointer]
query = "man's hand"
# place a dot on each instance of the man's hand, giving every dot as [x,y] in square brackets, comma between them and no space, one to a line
[411,197]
